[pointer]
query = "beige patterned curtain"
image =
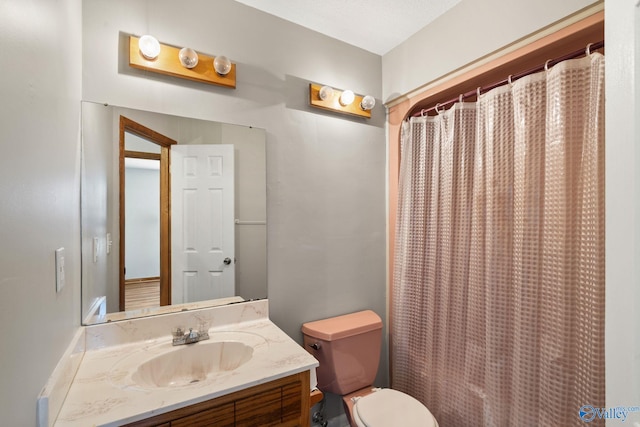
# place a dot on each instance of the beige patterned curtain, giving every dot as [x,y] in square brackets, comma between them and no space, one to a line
[497,315]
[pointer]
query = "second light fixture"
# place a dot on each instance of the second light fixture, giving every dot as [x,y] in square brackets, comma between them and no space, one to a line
[342,101]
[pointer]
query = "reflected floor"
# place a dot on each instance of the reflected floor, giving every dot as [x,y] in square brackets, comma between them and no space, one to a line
[142,294]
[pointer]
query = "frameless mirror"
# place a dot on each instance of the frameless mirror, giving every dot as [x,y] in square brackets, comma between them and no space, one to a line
[173,213]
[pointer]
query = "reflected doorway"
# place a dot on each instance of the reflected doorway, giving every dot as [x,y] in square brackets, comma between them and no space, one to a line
[145,275]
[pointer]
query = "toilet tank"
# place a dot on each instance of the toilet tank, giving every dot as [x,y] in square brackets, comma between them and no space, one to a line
[348,349]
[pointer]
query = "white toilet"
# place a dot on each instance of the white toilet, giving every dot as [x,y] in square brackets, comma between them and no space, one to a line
[348,349]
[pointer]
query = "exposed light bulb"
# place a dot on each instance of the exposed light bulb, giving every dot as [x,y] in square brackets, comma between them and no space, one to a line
[347,97]
[222,65]
[188,57]
[368,102]
[325,93]
[149,47]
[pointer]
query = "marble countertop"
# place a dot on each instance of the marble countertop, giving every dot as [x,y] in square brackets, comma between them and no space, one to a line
[103,393]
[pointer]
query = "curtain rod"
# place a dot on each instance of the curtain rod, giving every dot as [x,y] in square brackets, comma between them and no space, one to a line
[590,48]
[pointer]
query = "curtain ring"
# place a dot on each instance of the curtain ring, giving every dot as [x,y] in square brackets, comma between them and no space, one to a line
[546,65]
[588,50]
[478,91]
[461,98]
[422,112]
[437,108]
[509,79]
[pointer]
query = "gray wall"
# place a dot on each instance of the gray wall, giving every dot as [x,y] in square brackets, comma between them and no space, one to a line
[325,172]
[142,211]
[99,166]
[461,36]
[40,92]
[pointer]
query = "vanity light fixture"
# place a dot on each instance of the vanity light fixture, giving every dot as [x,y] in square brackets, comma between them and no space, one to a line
[222,65]
[368,102]
[325,93]
[347,97]
[188,57]
[184,63]
[346,102]
[149,47]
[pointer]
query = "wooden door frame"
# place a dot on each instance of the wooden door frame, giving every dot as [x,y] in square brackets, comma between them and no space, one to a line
[165,143]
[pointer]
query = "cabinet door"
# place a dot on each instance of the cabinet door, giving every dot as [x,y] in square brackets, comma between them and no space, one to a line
[283,402]
[220,416]
[291,403]
[261,409]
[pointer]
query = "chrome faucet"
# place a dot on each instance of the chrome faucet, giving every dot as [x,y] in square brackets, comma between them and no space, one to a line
[181,337]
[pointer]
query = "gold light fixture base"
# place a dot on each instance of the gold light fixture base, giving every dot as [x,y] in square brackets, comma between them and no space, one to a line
[168,63]
[333,103]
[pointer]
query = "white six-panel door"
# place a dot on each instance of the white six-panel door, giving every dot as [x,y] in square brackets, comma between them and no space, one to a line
[202,222]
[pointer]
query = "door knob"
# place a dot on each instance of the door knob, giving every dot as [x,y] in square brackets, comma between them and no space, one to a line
[227,261]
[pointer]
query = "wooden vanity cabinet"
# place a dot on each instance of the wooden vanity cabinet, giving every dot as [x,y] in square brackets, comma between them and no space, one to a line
[283,402]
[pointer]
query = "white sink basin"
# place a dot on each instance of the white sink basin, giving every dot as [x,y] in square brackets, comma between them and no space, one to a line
[163,366]
[192,363]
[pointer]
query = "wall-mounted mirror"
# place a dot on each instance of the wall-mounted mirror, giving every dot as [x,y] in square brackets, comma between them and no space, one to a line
[173,213]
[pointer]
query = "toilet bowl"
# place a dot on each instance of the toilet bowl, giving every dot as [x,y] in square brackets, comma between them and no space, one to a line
[384,407]
[348,349]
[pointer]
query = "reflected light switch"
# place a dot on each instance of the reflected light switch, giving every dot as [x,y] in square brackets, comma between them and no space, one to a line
[96,244]
[59,269]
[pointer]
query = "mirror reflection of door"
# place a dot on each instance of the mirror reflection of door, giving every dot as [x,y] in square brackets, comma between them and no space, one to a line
[145,260]
[202,217]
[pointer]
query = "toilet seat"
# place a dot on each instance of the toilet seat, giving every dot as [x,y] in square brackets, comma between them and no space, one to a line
[387,407]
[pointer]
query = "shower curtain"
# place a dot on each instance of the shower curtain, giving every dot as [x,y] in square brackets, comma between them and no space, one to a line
[497,312]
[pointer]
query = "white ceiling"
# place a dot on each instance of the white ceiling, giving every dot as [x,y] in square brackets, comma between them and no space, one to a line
[374,25]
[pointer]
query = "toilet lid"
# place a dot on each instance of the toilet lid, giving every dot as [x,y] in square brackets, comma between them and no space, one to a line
[388,407]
